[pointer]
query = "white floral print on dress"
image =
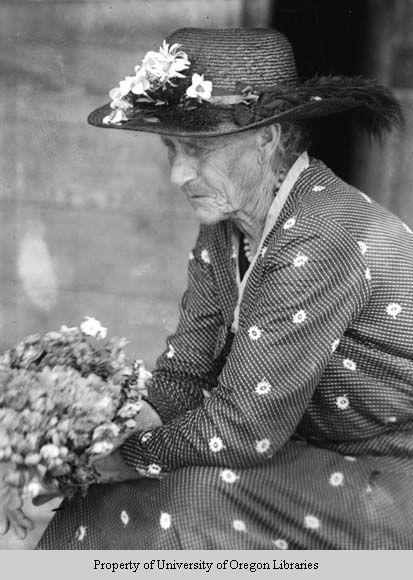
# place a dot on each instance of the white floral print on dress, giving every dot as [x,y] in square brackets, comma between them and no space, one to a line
[171,352]
[335,344]
[350,458]
[311,522]
[80,533]
[165,520]
[342,402]
[191,255]
[280,544]
[349,364]
[393,309]
[392,419]
[263,387]
[124,518]
[317,188]
[290,223]
[154,469]
[363,247]
[300,260]
[263,251]
[299,317]
[336,478]
[368,274]
[239,526]
[146,436]
[205,256]
[254,333]
[263,445]
[229,476]
[216,444]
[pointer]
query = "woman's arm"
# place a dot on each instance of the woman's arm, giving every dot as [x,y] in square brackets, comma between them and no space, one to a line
[187,368]
[278,356]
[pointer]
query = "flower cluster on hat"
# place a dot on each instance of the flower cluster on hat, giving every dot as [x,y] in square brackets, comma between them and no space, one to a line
[153,82]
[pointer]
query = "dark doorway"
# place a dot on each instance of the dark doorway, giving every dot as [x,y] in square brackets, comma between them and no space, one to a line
[328,37]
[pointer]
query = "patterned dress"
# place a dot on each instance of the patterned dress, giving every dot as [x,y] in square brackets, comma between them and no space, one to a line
[289,425]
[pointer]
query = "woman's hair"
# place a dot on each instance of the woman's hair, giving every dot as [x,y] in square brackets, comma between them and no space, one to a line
[294,140]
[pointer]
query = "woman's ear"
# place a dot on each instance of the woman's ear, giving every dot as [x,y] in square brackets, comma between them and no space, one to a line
[268,139]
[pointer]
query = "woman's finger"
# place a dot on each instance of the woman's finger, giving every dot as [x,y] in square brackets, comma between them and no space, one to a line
[20,532]
[4,524]
[23,520]
[20,523]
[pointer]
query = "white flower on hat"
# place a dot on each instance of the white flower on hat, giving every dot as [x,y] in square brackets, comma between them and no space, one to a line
[140,83]
[200,88]
[115,117]
[167,63]
[92,327]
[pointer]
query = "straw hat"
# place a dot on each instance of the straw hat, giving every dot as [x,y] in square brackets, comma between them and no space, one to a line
[206,82]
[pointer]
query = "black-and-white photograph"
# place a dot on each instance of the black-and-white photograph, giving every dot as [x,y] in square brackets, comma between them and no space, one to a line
[206,270]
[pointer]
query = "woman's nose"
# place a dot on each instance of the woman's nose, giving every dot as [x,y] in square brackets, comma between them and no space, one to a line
[183,170]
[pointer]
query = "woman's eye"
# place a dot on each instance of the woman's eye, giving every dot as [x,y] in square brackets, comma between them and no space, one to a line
[169,144]
[193,149]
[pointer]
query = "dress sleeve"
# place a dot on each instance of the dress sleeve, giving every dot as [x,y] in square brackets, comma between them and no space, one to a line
[314,283]
[188,367]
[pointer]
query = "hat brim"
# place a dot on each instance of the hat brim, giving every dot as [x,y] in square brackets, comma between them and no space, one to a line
[375,109]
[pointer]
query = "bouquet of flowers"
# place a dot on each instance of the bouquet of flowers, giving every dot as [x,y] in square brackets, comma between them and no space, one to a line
[66,398]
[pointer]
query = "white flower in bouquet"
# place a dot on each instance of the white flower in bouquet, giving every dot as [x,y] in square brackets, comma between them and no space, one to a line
[101,447]
[106,430]
[32,489]
[49,451]
[92,327]
[62,399]
[129,410]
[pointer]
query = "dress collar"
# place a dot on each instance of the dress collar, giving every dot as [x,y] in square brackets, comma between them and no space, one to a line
[301,163]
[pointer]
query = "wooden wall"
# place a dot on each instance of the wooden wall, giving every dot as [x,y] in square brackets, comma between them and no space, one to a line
[385,170]
[89,224]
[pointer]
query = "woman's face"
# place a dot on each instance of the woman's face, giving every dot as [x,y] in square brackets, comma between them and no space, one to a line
[217,174]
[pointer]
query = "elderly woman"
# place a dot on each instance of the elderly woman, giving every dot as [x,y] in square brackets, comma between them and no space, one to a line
[280,415]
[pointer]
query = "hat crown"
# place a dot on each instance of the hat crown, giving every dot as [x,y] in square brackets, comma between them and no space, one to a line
[227,56]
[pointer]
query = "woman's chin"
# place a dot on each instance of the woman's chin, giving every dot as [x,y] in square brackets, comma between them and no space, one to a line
[208,216]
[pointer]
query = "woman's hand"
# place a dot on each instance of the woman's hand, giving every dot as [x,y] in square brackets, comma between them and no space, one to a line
[112,468]
[12,516]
